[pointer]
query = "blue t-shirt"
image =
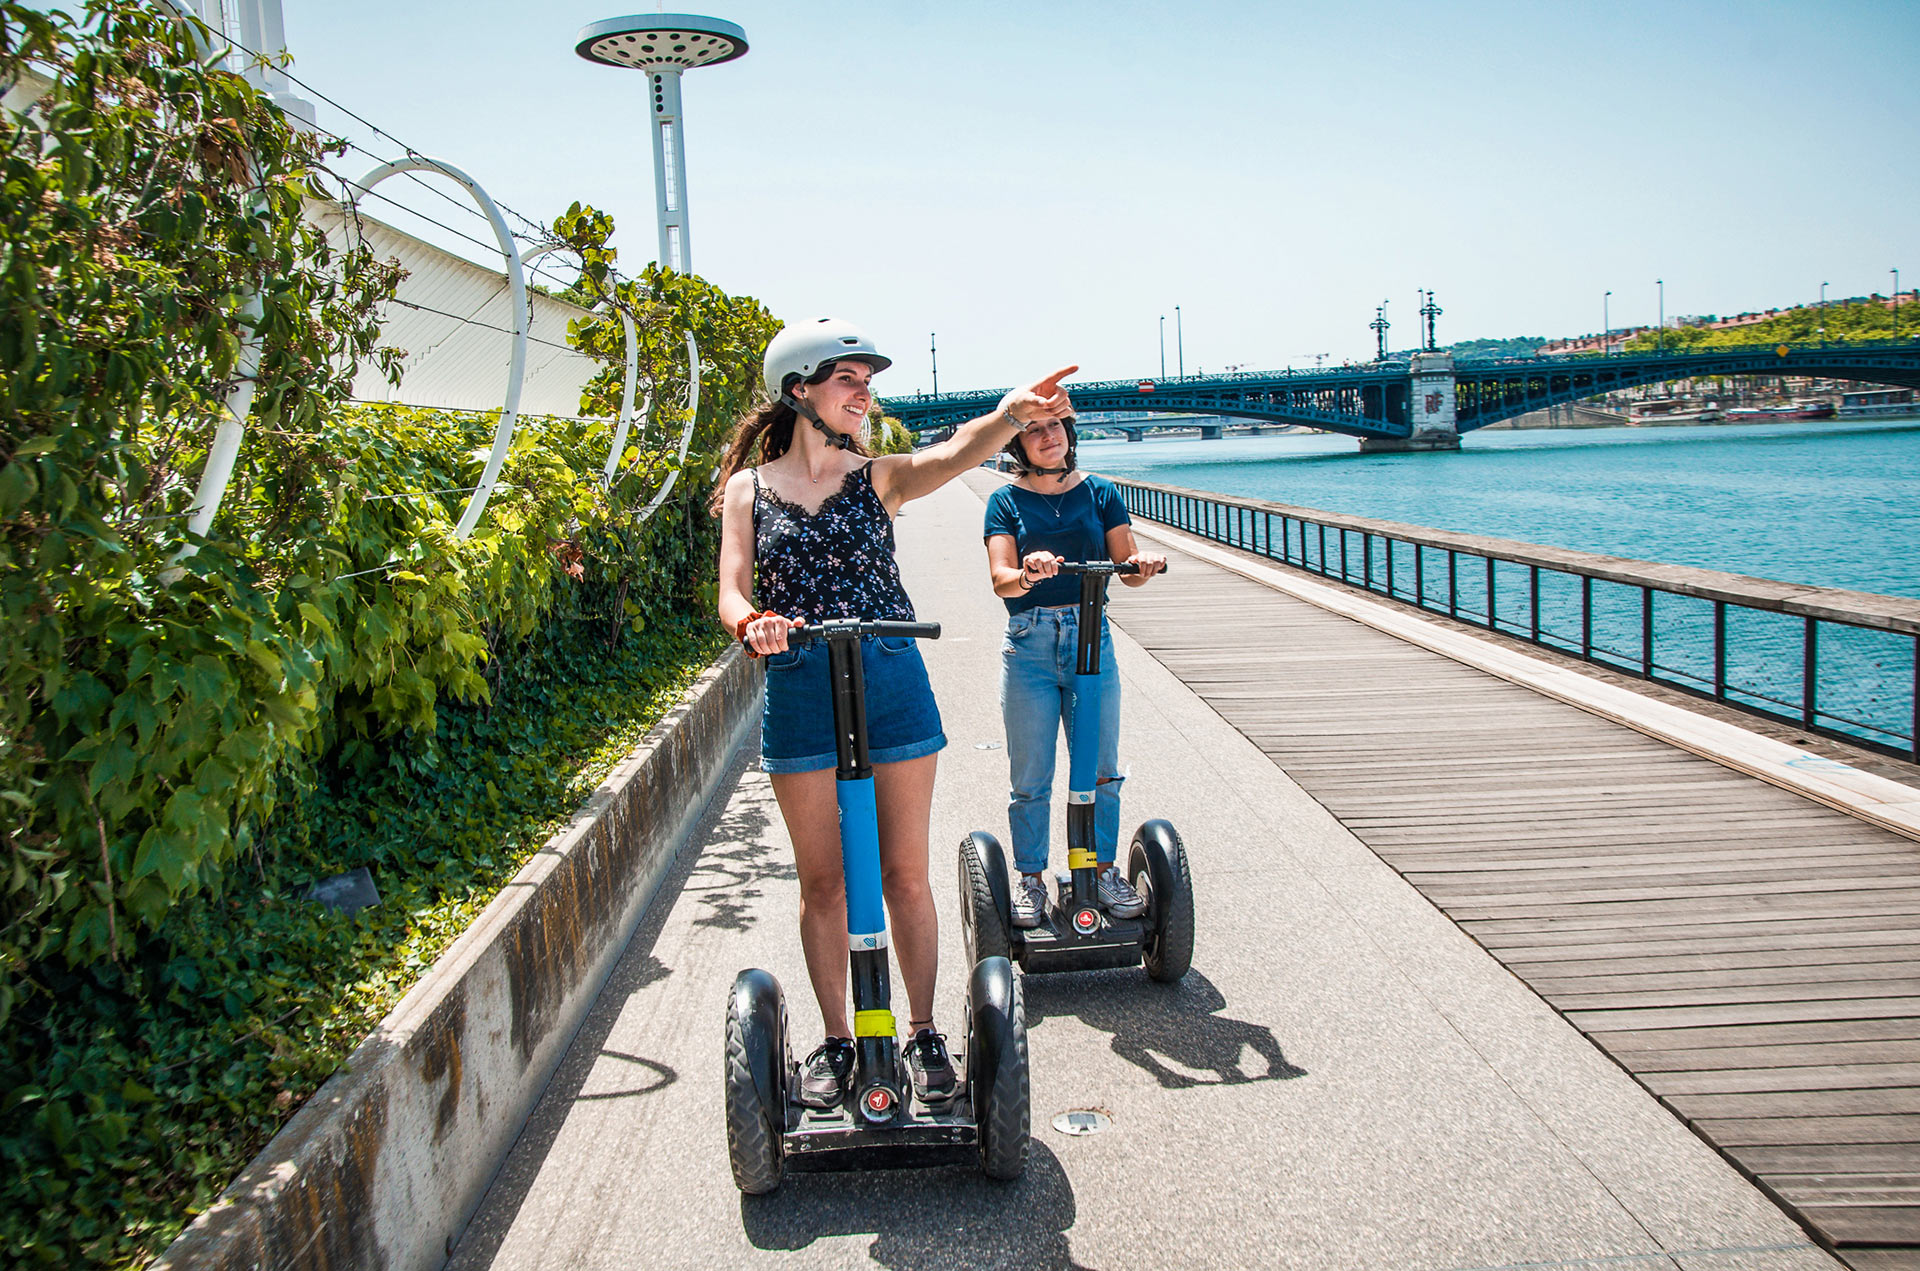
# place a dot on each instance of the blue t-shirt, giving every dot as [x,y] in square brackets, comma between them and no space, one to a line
[1073,526]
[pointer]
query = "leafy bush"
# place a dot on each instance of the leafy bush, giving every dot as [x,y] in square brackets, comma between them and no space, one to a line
[890,437]
[329,680]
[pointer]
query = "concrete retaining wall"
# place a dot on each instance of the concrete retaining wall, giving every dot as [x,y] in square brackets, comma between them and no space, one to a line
[386,1163]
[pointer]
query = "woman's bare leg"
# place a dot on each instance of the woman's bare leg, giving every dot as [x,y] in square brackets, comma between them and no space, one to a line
[903,793]
[811,809]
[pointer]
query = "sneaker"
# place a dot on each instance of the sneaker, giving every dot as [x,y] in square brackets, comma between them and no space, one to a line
[930,1067]
[1029,900]
[827,1074]
[1117,895]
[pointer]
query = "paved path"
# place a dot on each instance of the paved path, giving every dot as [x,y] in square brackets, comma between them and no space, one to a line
[1345,1080]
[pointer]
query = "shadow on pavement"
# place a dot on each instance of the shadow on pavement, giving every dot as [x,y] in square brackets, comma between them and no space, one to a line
[724,881]
[637,1076]
[1170,1030]
[952,1216]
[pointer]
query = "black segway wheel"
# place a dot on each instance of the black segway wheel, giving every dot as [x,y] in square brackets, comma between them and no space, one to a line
[1157,865]
[757,1067]
[986,906]
[997,1067]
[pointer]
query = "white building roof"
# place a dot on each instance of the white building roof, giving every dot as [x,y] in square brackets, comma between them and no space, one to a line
[454,321]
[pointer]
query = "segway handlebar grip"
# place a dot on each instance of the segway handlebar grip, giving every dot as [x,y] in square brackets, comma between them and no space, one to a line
[854,628]
[906,630]
[1101,567]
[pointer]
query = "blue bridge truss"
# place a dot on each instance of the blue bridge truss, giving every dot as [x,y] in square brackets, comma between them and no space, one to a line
[1372,402]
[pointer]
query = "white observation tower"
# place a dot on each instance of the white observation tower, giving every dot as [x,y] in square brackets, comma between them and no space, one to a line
[663,45]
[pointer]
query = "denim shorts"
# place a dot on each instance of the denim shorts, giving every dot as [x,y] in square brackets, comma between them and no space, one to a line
[796,724]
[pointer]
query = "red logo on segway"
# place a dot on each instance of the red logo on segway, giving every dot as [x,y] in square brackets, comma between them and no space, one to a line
[879,1099]
[1086,920]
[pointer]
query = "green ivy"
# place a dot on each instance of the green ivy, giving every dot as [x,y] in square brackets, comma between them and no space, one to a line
[329,680]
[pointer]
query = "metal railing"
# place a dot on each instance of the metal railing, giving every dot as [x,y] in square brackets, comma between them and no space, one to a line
[1843,664]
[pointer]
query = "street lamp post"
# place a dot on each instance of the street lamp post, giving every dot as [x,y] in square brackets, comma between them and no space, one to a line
[1606,325]
[1660,337]
[1896,304]
[1380,325]
[1430,311]
[664,46]
[1823,313]
[1163,346]
[1180,342]
[933,349]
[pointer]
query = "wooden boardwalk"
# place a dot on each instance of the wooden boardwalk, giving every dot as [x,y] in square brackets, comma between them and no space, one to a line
[1751,957]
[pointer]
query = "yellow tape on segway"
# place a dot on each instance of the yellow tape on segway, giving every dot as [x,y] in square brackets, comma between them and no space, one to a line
[873,1024]
[1081,858]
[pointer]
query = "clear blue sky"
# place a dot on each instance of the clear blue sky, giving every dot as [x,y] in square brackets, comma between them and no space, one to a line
[1040,182]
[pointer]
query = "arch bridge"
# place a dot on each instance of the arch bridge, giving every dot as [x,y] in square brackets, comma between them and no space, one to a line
[1427,401]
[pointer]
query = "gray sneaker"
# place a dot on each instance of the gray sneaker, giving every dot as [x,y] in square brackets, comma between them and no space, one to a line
[1029,901]
[1117,895]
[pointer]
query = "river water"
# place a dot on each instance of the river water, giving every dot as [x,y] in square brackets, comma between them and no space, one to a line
[1834,503]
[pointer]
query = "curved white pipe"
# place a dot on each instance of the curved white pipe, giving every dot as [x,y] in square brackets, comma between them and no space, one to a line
[221,455]
[517,287]
[686,433]
[626,401]
[626,389]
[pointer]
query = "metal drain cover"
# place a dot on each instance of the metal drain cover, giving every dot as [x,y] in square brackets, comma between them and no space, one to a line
[1082,1121]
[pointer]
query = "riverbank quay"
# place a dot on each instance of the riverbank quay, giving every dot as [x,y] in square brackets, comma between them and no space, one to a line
[1747,954]
[1344,1080]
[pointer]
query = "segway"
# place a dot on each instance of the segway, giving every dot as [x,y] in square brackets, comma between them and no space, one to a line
[768,1129]
[1075,934]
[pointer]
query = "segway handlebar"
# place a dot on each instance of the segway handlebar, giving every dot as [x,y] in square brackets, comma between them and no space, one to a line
[854,628]
[1101,567]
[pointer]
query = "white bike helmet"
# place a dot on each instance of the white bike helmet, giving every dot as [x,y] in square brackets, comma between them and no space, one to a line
[804,347]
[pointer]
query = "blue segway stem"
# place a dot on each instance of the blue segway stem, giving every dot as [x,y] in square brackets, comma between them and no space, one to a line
[1083,739]
[860,861]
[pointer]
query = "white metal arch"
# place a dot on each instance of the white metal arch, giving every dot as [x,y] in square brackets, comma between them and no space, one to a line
[517,289]
[217,473]
[686,433]
[626,389]
[627,413]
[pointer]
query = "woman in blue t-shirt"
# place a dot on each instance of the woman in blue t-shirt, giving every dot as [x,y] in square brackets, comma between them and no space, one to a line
[1050,513]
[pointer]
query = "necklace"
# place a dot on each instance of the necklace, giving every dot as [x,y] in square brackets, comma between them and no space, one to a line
[1055,500]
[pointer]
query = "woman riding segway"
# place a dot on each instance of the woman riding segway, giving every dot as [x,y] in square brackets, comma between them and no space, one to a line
[808,534]
[1049,514]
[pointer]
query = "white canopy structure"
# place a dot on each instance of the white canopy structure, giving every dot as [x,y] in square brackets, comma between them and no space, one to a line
[455,320]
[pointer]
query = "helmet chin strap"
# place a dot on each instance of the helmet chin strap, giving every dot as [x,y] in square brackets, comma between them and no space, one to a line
[1038,471]
[840,440]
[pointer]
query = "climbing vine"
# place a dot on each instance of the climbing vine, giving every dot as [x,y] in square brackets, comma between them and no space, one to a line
[188,741]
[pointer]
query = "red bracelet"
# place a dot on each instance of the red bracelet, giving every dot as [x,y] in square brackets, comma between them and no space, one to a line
[740,629]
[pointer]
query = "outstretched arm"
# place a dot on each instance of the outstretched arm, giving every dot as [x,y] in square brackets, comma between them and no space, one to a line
[899,479]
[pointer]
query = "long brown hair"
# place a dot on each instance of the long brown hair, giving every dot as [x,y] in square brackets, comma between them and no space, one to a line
[769,425]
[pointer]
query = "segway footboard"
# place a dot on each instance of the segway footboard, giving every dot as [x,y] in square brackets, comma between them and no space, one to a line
[823,1140]
[1116,944]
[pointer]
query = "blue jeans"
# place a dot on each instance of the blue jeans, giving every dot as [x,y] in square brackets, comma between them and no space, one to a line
[1036,703]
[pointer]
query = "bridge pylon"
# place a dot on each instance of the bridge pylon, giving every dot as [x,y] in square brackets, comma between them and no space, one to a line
[1432,409]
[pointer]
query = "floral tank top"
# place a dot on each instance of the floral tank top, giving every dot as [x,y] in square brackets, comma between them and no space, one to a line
[834,563]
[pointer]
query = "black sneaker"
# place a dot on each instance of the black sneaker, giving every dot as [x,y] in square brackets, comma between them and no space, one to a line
[827,1074]
[930,1067]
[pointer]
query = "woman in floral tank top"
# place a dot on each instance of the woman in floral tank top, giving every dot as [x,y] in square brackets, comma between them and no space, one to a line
[805,536]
